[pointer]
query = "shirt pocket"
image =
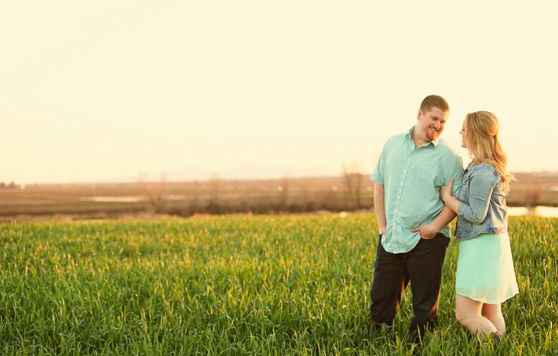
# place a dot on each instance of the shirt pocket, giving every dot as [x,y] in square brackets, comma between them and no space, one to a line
[426,176]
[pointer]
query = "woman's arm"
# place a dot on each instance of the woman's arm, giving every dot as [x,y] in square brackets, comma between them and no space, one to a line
[480,191]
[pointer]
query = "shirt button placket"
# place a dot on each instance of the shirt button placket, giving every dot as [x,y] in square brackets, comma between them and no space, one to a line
[401,186]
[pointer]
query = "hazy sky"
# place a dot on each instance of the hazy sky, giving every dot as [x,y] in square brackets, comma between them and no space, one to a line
[122,90]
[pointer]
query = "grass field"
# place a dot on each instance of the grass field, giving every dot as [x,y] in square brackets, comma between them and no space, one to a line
[235,285]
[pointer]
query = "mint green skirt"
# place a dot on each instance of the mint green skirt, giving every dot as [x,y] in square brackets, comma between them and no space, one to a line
[485,270]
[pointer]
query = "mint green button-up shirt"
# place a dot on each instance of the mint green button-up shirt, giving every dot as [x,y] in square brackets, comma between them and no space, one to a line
[412,177]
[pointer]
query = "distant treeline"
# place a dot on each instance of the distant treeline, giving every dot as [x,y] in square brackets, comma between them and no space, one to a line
[346,192]
[11,185]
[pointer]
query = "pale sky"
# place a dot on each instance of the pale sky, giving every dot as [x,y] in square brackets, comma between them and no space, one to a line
[121,90]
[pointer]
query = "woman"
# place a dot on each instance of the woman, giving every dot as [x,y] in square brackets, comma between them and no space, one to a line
[485,275]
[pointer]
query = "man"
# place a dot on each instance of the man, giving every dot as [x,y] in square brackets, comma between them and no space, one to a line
[412,219]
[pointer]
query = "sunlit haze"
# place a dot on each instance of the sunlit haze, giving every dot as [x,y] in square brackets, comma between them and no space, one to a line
[180,90]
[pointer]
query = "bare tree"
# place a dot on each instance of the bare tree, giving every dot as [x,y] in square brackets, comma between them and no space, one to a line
[354,185]
[215,187]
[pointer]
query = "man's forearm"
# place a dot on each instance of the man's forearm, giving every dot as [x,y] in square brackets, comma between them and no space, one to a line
[452,203]
[444,218]
[379,208]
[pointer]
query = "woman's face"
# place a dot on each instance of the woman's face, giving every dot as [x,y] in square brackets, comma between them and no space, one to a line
[463,133]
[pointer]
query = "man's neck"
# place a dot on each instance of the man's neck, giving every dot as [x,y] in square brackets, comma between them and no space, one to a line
[418,140]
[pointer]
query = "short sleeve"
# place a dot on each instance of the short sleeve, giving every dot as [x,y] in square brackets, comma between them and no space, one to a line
[378,174]
[455,173]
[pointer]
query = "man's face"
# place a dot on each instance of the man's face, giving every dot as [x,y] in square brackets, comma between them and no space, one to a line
[432,122]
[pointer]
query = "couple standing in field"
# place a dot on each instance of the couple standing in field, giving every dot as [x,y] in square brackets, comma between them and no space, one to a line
[419,187]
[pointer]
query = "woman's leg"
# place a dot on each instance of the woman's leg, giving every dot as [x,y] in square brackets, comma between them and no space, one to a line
[468,314]
[493,312]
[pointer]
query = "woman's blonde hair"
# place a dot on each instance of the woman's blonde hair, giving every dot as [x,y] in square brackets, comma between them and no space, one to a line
[482,141]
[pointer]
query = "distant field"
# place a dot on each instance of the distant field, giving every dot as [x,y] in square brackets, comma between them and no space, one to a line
[344,193]
[239,285]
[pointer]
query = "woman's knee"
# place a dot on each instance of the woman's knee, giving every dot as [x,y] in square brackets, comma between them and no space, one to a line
[466,309]
[491,311]
[462,315]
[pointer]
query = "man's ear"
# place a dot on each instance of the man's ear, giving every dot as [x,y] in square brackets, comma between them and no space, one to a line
[418,114]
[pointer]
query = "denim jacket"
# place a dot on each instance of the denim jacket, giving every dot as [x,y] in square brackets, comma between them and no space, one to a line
[482,207]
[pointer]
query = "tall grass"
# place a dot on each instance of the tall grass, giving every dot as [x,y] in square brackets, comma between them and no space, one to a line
[240,285]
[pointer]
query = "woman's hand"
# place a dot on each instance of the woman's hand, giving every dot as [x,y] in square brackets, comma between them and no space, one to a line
[445,191]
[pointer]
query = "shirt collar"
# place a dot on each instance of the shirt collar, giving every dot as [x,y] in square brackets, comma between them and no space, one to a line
[410,136]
